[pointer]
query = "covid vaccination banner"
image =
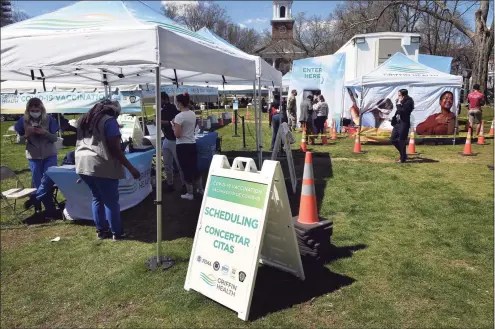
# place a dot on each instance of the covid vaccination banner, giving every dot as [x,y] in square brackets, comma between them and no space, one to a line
[325,75]
[69,102]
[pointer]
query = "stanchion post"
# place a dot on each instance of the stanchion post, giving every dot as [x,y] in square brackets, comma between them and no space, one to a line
[243,135]
[235,124]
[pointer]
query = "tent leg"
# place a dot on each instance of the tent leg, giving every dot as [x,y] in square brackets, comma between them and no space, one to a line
[260,127]
[159,260]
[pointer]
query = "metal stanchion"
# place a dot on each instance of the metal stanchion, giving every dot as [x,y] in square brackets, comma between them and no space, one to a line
[235,124]
[243,135]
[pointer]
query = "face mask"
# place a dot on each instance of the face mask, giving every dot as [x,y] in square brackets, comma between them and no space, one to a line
[35,115]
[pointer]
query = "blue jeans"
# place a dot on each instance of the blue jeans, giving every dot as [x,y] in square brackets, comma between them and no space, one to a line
[42,182]
[105,206]
[276,120]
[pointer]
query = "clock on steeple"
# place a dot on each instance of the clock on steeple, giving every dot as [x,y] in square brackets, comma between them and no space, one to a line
[282,22]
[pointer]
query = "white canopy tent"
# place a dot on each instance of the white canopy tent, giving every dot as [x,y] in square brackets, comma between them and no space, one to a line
[380,87]
[114,43]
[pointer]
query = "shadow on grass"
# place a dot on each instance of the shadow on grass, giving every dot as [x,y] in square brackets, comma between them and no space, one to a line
[22,171]
[276,290]
[421,160]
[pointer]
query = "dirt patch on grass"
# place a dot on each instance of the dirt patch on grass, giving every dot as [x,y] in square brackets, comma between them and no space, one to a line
[17,237]
[458,263]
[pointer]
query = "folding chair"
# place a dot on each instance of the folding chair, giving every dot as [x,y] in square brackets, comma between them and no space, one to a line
[19,192]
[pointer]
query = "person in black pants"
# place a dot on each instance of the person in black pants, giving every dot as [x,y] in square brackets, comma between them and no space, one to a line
[402,122]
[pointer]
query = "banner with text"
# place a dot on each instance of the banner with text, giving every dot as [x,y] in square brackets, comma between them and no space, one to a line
[323,74]
[69,102]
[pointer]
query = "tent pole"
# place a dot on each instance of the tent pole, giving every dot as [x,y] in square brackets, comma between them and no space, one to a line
[143,112]
[256,115]
[158,165]
[260,127]
[59,127]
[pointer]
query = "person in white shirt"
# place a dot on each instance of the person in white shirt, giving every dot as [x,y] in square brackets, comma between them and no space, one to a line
[184,126]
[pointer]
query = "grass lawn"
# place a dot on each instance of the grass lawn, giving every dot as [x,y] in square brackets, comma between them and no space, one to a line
[413,248]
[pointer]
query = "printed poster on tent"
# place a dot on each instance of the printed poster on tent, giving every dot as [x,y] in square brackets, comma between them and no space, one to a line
[325,74]
[376,102]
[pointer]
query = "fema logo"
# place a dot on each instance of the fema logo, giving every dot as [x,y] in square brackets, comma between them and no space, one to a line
[225,269]
[199,259]
[216,266]
[242,276]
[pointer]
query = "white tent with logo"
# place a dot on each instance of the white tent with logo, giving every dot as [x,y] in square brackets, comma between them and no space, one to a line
[380,87]
[114,43]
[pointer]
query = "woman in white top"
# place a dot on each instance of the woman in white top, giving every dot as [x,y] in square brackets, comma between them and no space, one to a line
[321,112]
[184,126]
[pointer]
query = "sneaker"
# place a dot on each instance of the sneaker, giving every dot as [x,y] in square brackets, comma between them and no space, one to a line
[103,234]
[187,196]
[120,237]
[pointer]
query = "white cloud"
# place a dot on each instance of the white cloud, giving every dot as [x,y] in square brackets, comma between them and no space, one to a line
[242,25]
[255,21]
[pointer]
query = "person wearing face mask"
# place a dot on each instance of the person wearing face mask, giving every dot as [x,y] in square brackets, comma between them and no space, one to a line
[442,123]
[401,123]
[38,131]
[100,163]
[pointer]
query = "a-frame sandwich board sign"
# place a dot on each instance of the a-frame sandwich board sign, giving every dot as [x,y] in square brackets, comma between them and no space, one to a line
[245,220]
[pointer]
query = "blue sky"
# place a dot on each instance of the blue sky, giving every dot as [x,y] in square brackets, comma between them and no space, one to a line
[254,14]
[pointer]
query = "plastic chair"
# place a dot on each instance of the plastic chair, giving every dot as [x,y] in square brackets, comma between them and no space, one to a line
[19,192]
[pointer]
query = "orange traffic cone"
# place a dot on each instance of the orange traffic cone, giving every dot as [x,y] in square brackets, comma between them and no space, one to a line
[303,140]
[247,114]
[308,211]
[411,150]
[467,146]
[481,137]
[357,144]
[491,133]
[334,132]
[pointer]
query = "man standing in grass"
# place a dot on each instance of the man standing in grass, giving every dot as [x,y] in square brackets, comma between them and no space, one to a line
[292,110]
[475,101]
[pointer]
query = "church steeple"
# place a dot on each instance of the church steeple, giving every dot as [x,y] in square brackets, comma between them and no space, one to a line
[282,21]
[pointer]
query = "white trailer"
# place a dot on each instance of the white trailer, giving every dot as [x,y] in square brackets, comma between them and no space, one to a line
[365,52]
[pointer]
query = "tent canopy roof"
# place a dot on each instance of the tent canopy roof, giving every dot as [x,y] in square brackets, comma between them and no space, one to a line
[123,40]
[401,69]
